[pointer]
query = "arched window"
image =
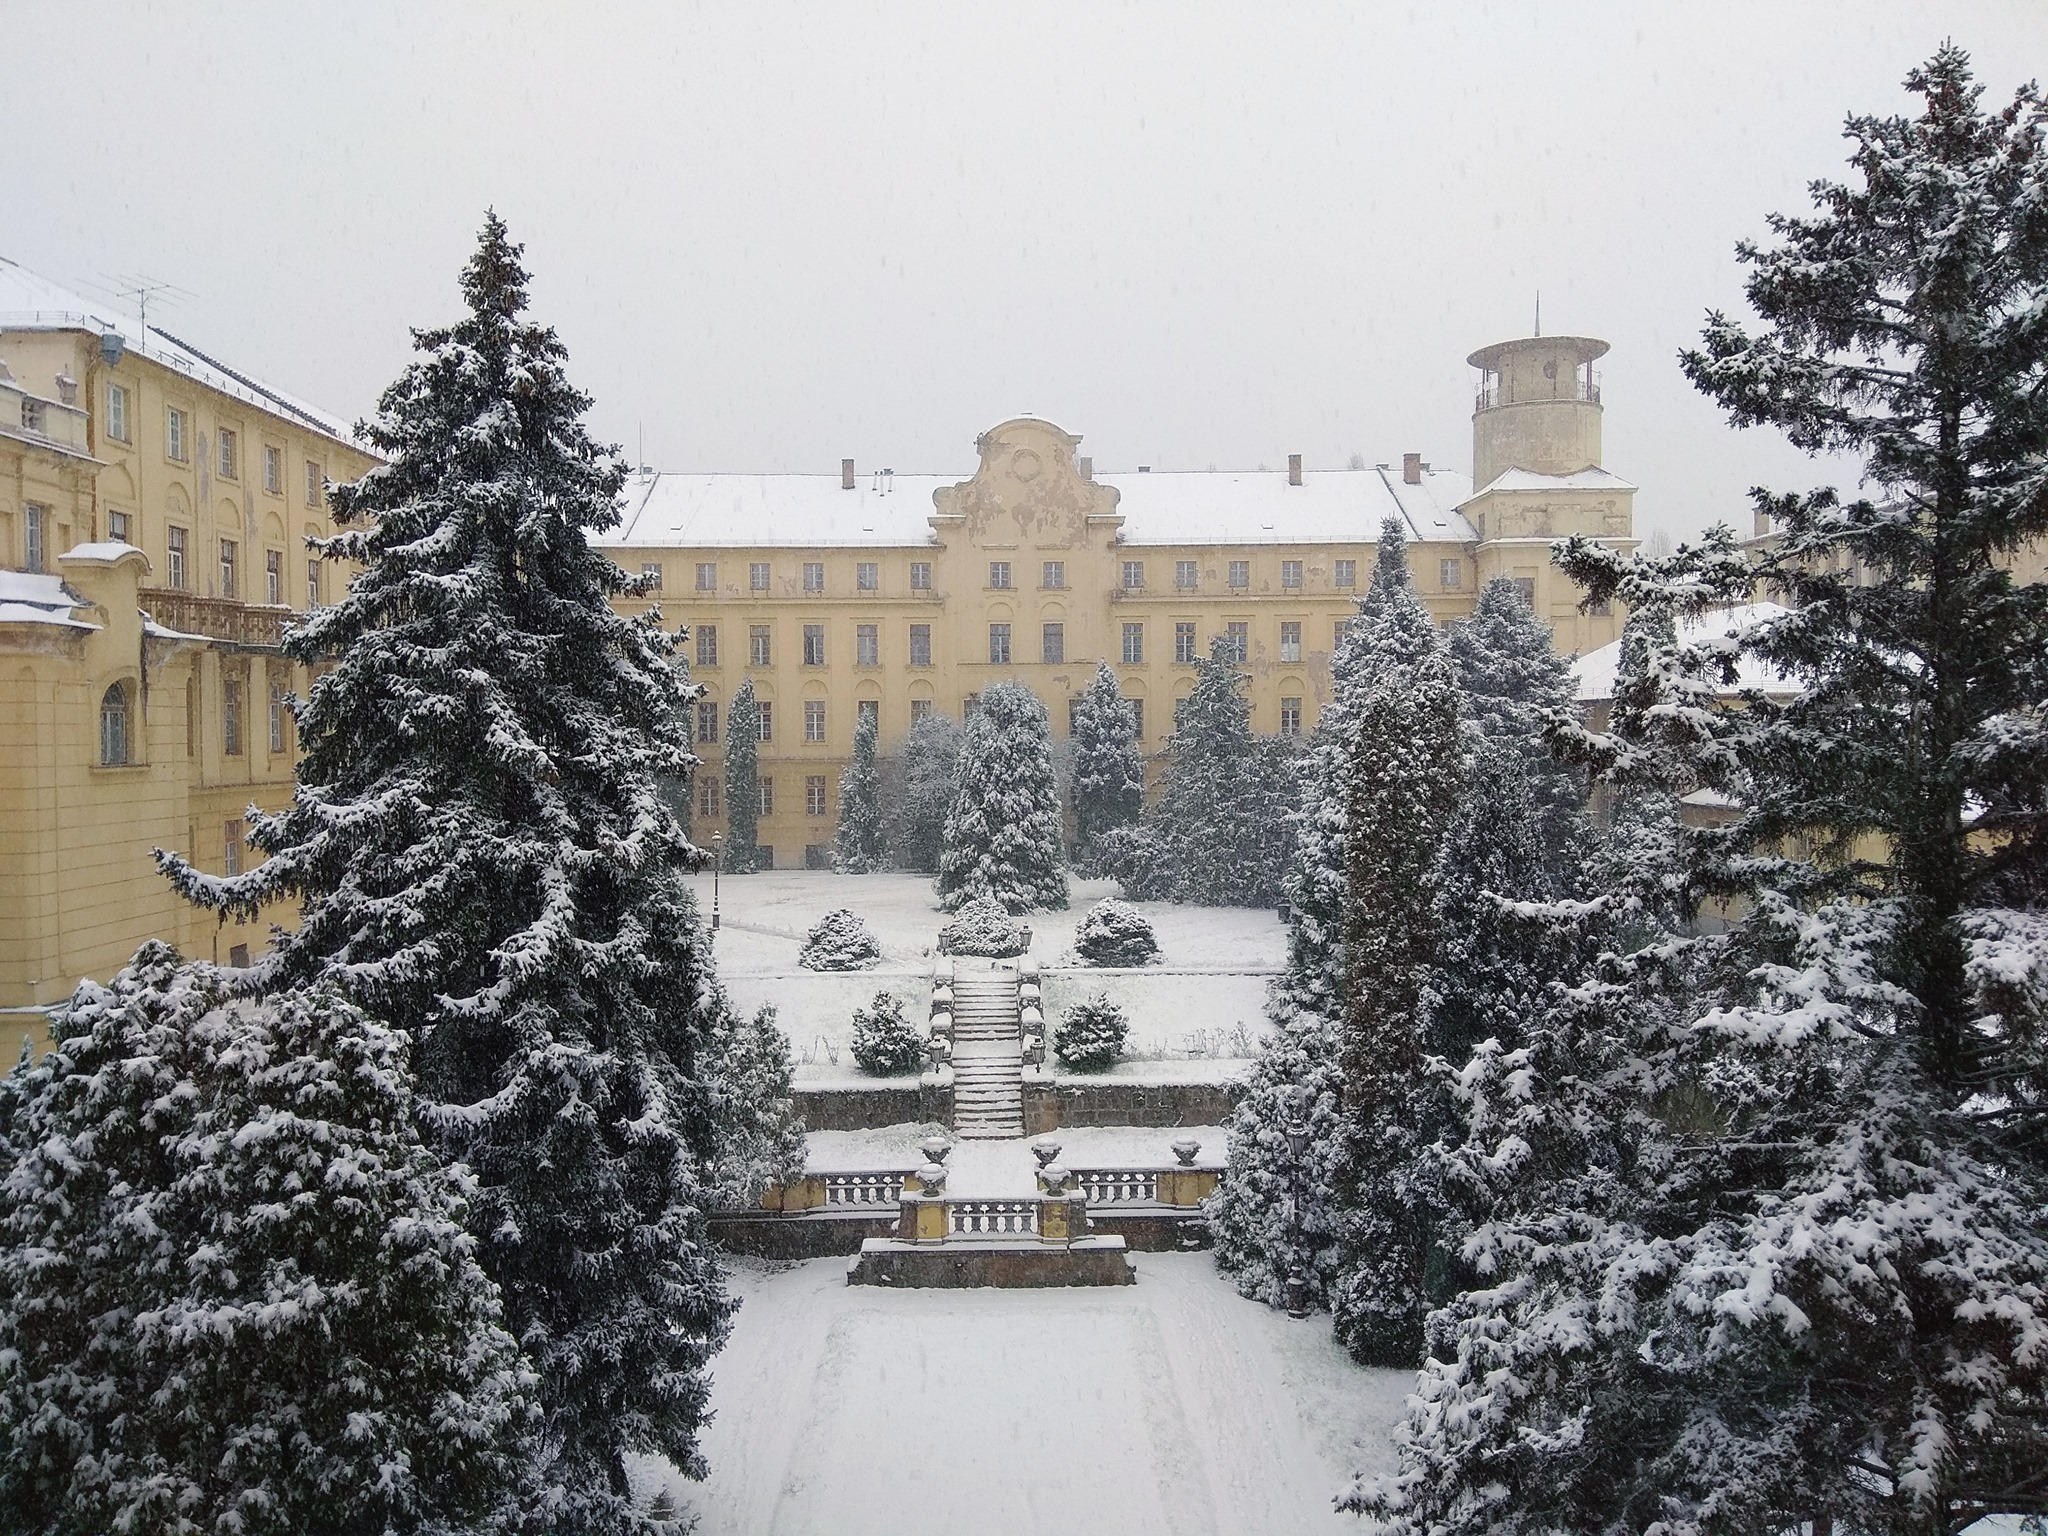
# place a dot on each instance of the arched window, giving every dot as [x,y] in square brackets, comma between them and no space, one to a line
[114,726]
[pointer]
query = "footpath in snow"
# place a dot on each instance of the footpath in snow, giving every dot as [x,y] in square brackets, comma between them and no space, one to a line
[1171,1406]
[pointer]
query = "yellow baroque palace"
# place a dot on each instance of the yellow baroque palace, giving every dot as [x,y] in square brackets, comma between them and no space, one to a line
[154,505]
[897,594]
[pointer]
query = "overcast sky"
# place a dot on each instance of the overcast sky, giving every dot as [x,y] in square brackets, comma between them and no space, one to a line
[1201,236]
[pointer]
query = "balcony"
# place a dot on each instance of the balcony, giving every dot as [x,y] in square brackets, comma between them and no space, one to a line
[255,625]
[1495,392]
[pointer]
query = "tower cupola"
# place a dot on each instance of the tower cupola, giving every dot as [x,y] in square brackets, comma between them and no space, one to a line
[1538,407]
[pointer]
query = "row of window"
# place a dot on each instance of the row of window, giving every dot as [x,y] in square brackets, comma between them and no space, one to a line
[178,566]
[1187,575]
[118,741]
[1052,643]
[227,447]
[711,799]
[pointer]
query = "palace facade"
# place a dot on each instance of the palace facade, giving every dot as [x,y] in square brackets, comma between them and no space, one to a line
[897,594]
[154,506]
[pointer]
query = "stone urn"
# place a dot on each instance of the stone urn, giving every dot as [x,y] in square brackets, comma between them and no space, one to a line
[935,1148]
[1045,1149]
[932,1178]
[1184,1150]
[1055,1178]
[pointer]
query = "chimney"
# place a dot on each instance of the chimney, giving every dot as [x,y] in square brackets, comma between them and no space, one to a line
[1411,468]
[1294,469]
[1085,467]
[1144,469]
[846,474]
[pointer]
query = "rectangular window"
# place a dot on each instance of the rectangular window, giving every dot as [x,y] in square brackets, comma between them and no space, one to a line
[814,575]
[313,479]
[1526,585]
[767,797]
[707,645]
[999,645]
[920,645]
[1290,717]
[869,710]
[1290,641]
[1184,645]
[867,645]
[312,583]
[967,706]
[231,861]
[707,720]
[1134,575]
[767,708]
[228,561]
[1187,575]
[920,575]
[1346,573]
[1054,641]
[1450,574]
[814,720]
[1055,574]
[273,470]
[117,413]
[1290,573]
[919,708]
[32,520]
[759,647]
[277,714]
[1238,633]
[1603,609]
[231,717]
[1134,645]
[814,794]
[273,577]
[227,461]
[174,434]
[1137,708]
[117,527]
[654,576]
[707,575]
[999,574]
[867,576]
[1240,573]
[174,571]
[814,645]
[757,576]
[708,800]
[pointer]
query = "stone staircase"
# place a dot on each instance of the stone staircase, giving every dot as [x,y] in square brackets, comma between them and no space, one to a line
[988,1062]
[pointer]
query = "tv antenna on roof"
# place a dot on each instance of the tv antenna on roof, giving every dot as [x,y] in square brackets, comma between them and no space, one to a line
[140,289]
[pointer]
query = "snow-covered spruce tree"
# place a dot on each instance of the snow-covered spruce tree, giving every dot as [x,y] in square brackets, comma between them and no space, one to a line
[1212,837]
[235,1288]
[1114,934]
[760,1136]
[857,847]
[931,781]
[1109,764]
[1512,681]
[484,858]
[1821,1287]
[884,1041]
[1392,631]
[840,941]
[1003,831]
[1091,1035]
[1404,787]
[743,781]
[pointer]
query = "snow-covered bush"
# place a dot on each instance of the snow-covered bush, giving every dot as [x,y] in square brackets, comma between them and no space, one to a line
[884,1043]
[984,927]
[1115,934]
[1091,1035]
[840,941]
[235,1288]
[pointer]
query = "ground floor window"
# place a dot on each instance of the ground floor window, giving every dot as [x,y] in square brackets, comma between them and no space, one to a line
[814,794]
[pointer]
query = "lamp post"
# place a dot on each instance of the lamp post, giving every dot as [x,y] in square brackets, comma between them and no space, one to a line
[717,864]
[1295,1287]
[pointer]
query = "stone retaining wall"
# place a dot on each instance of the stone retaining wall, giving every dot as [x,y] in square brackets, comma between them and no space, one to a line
[861,1107]
[1052,1104]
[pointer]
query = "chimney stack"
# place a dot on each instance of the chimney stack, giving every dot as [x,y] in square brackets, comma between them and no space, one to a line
[1294,469]
[1085,467]
[846,474]
[1411,468]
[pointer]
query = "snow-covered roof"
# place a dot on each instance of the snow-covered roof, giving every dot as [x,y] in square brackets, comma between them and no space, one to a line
[1596,670]
[1199,507]
[1592,479]
[30,597]
[31,302]
[107,550]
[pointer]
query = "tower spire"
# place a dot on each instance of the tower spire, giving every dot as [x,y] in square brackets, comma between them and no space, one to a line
[1539,311]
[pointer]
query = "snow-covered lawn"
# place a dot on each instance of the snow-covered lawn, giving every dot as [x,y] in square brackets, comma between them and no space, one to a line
[1171,1406]
[763,919]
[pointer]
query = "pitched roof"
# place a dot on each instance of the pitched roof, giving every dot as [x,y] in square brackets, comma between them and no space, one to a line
[1596,671]
[1591,479]
[31,302]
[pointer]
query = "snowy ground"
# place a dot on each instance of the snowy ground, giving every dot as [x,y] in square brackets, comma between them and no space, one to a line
[763,919]
[1170,1406]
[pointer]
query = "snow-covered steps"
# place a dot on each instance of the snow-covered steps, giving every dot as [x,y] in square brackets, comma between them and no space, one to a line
[988,1062]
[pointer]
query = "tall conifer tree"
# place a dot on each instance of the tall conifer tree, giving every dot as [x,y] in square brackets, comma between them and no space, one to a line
[1109,764]
[857,844]
[1003,832]
[484,857]
[931,780]
[743,781]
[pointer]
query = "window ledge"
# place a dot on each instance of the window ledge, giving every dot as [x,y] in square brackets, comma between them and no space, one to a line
[116,770]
